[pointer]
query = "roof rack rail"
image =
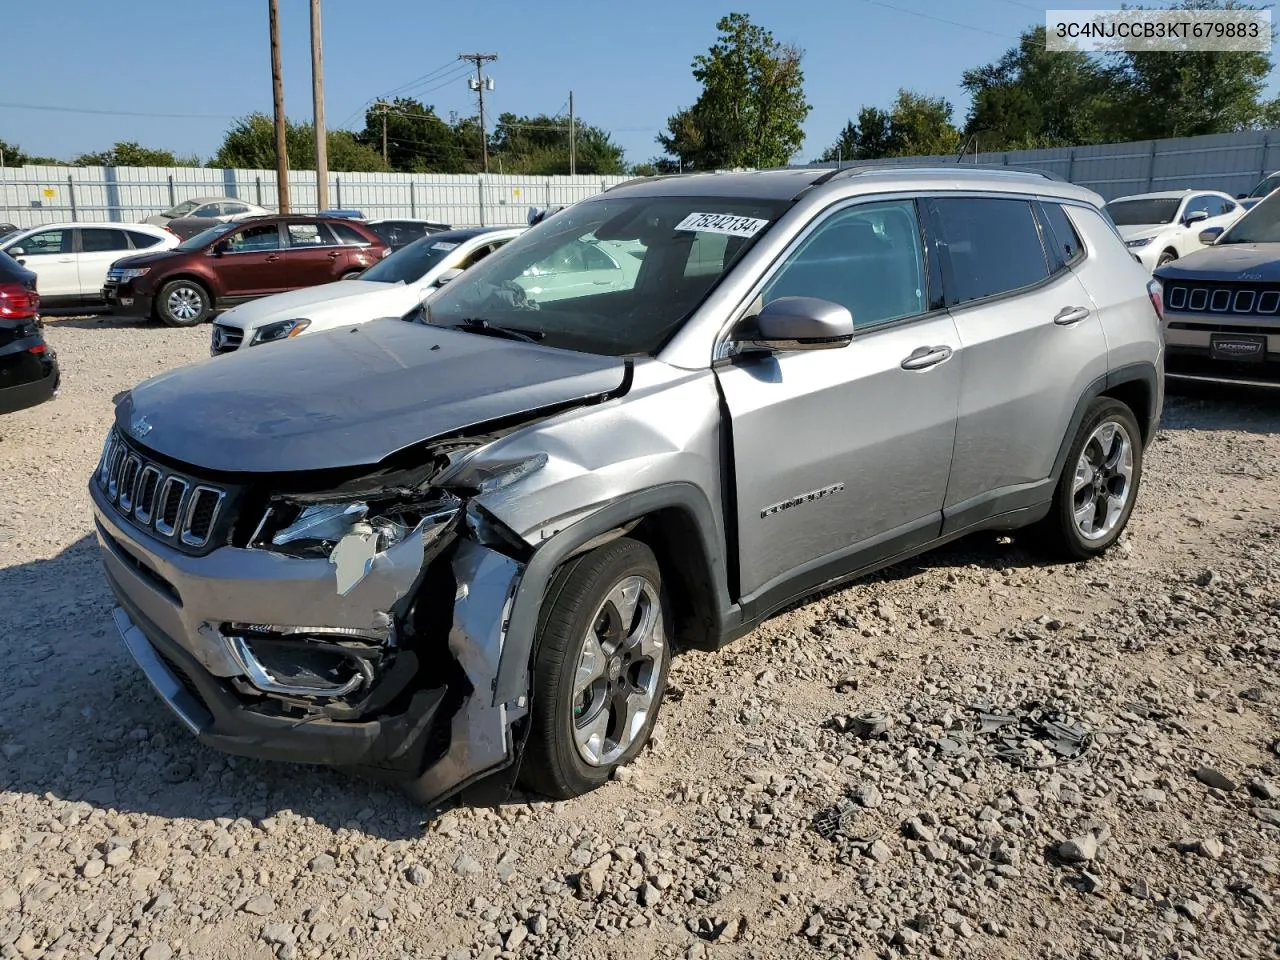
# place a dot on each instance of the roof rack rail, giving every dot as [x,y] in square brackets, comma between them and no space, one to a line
[939,167]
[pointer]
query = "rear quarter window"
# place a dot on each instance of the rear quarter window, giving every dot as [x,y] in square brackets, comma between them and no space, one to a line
[1061,238]
[348,235]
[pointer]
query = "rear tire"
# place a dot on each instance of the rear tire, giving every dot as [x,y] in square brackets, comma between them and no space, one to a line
[1099,484]
[183,303]
[600,671]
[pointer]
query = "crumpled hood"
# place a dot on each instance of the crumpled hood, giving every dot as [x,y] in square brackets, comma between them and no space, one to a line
[351,396]
[295,304]
[1228,261]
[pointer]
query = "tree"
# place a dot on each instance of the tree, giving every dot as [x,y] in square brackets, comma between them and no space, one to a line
[540,145]
[127,153]
[250,144]
[915,125]
[752,107]
[845,147]
[15,156]
[418,141]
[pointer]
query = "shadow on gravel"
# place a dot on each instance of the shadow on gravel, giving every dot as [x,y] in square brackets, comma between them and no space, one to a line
[80,319]
[1195,406]
[81,723]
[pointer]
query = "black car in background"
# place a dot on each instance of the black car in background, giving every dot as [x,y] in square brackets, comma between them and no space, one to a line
[28,366]
[400,232]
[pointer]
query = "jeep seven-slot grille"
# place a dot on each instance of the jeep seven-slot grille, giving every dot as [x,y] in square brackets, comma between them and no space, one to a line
[1240,299]
[170,505]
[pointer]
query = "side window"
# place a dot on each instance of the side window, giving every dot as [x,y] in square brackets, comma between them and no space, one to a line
[1217,206]
[1060,236]
[1200,204]
[477,255]
[99,240]
[46,241]
[346,235]
[992,246]
[265,236]
[307,235]
[234,209]
[141,241]
[208,210]
[868,258]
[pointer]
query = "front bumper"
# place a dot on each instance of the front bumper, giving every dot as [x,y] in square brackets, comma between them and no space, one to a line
[125,300]
[1218,347]
[437,730]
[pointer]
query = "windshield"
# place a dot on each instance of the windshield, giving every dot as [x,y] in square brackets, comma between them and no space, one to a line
[182,209]
[1132,213]
[411,263]
[614,276]
[1259,225]
[205,237]
[1266,186]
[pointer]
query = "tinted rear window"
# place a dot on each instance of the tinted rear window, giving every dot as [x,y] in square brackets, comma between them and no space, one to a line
[142,240]
[993,246]
[347,234]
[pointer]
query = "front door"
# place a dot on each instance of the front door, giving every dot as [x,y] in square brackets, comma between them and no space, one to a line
[251,265]
[50,255]
[841,456]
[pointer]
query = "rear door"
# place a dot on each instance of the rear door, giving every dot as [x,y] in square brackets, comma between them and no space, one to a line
[99,248]
[1032,343]
[251,265]
[50,254]
[841,456]
[311,255]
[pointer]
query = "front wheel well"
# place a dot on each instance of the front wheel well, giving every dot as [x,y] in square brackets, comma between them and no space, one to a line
[672,534]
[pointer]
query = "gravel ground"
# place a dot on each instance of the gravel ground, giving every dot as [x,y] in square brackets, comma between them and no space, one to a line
[772,818]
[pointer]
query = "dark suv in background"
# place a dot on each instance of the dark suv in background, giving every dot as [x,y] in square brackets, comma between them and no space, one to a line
[234,262]
[28,367]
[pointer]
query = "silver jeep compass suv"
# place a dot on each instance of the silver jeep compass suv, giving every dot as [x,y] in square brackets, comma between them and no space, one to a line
[468,542]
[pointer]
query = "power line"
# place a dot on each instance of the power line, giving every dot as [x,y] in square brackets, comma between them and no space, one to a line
[117,113]
[950,23]
[425,77]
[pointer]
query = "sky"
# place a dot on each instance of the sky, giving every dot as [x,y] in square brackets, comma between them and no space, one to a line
[628,64]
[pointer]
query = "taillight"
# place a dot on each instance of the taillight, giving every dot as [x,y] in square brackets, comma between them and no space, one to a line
[1156,292]
[17,302]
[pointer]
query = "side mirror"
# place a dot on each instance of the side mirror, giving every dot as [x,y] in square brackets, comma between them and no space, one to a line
[447,276]
[1211,235]
[1242,196]
[1195,217]
[16,252]
[800,323]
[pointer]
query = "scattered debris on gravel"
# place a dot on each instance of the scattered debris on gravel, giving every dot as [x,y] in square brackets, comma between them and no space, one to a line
[972,755]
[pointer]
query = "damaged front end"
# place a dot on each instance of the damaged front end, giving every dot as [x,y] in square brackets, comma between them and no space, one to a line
[359,625]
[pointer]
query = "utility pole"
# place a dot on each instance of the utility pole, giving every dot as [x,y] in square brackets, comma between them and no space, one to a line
[317,99]
[573,153]
[277,92]
[383,107]
[480,59]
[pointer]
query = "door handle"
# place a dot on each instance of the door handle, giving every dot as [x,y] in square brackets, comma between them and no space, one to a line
[272,259]
[1069,315]
[65,260]
[922,358]
[335,254]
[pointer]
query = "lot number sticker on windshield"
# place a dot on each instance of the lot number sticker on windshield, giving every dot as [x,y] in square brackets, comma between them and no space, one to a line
[725,223]
[443,245]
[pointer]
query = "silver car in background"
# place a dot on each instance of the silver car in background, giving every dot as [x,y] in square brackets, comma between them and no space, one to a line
[440,549]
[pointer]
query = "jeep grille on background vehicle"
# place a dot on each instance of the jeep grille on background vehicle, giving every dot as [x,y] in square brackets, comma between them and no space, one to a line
[1245,298]
[165,503]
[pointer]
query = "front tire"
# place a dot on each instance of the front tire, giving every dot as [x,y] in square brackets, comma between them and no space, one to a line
[183,303]
[1166,256]
[600,671]
[1099,483]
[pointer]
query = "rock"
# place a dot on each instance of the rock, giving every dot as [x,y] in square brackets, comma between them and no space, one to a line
[869,796]
[516,937]
[259,906]
[1079,849]
[92,869]
[157,951]
[537,925]
[814,926]
[322,863]
[917,830]
[1264,789]
[322,932]
[937,851]
[649,895]
[365,854]
[1267,815]
[1092,882]
[591,880]
[879,851]
[1139,889]
[418,875]
[1210,847]
[9,899]
[467,866]
[1215,778]
[118,856]
[278,934]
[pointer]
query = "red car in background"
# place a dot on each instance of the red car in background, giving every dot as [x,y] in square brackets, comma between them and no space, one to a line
[233,262]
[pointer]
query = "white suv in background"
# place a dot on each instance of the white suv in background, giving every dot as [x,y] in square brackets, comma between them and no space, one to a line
[390,288]
[70,260]
[1160,227]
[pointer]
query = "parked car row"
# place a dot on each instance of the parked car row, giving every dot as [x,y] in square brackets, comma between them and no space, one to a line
[468,542]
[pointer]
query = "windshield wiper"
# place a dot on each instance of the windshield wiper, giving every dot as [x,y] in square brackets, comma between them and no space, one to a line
[480,325]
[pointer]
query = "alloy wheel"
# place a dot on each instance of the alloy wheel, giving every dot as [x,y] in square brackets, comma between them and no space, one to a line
[185,303]
[619,667]
[1103,480]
